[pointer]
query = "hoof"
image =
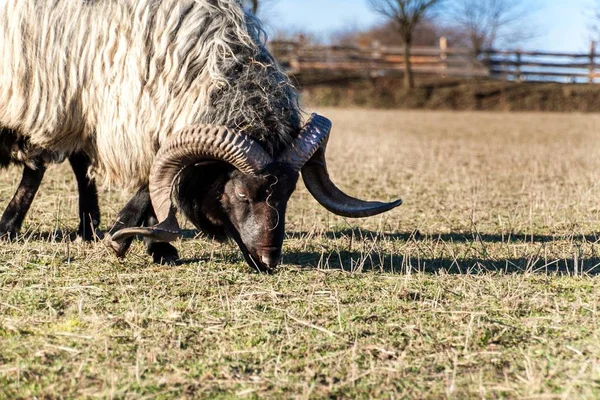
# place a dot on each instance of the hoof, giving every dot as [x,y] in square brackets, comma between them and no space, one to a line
[8,234]
[163,253]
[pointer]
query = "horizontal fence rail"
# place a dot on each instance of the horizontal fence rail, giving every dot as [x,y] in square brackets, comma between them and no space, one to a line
[543,66]
[376,60]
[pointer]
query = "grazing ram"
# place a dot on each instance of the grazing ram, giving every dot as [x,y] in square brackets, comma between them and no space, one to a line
[178,98]
[15,150]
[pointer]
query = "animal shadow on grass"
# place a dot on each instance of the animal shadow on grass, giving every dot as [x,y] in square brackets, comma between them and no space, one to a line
[61,235]
[508,238]
[377,260]
[55,236]
[374,260]
[68,235]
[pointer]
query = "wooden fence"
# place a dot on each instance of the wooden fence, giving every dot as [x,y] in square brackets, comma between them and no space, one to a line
[543,66]
[373,61]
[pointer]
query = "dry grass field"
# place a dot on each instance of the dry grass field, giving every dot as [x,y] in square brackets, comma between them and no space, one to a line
[484,284]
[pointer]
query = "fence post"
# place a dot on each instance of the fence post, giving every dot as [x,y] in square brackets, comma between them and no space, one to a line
[592,61]
[444,55]
[375,59]
[518,66]
[295,56]
[376,49]
[487,61]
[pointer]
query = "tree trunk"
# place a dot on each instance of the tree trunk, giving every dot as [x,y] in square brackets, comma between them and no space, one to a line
[409,79]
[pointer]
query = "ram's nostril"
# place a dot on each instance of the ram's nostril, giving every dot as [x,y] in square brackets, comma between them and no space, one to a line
[271,256]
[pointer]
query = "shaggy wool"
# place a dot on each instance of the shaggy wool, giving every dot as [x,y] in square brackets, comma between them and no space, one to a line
[117,78]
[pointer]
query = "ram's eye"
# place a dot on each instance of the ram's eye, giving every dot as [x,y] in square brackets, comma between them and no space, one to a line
[241,196]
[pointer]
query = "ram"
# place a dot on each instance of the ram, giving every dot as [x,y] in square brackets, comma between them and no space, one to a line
[179,99]
[14,150]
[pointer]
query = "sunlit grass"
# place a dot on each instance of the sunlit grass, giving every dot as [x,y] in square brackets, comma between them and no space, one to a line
[483,284]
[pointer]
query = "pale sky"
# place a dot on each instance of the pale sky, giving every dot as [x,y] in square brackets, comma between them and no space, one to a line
[563,25]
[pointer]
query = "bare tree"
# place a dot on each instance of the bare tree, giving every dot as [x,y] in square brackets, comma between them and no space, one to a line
[593,14]
[254,6]
[259,5]
[406,14]
[427,33]
[487,22]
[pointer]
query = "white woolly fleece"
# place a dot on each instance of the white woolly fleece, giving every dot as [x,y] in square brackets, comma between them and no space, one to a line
[117,77]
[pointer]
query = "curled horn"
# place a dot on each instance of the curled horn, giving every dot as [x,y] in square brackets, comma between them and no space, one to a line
[313,135]
[190,146]
[308,155]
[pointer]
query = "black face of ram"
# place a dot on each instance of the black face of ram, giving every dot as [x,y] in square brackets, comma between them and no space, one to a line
[248,209]
[255,208]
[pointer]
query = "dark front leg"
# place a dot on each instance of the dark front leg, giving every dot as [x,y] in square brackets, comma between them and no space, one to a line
[13,216]
[89,211]
[136,212]
[161,252]
[133,214]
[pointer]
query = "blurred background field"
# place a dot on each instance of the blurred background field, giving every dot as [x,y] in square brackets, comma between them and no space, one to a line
[456,94]
[495,55]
